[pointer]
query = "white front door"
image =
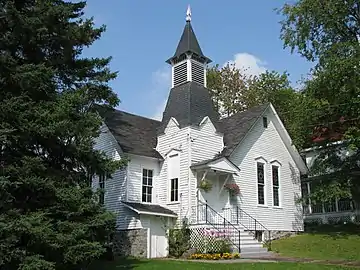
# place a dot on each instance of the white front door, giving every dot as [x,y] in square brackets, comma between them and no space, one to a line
[158,239]
[217,198]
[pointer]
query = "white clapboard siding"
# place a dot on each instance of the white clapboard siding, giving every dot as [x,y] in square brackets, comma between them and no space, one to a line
[115,188]
[266,145]
[205,144]
[135,170]
[174,140]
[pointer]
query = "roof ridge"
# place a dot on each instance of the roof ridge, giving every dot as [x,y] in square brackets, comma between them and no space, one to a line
[250,109]
[147,118]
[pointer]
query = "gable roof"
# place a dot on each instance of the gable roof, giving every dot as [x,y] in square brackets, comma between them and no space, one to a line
[236,126]
[189,103]
[222,164]
[149,209]
[135,134]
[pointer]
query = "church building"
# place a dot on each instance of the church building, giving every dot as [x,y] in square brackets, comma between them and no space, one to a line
[236,177]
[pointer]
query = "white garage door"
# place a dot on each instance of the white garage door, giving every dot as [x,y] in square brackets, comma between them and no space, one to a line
[158,239]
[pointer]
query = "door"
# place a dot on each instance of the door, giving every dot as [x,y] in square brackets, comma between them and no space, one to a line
[217,198]
[158,239]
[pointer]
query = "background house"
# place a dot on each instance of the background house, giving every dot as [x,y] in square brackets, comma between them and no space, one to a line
[339,210]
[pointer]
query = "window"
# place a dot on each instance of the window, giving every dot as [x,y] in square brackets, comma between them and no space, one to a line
[275,181]
[173,176]
[265,122]
[261,183]
[102,189]
[147,181]
[174,189]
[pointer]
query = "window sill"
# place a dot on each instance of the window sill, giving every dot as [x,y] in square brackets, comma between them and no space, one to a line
[277,207]
[262,206]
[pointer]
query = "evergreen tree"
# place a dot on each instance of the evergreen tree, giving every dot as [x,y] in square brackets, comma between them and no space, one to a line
[49,215]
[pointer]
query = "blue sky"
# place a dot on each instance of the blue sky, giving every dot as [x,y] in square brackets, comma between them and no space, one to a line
[141,35]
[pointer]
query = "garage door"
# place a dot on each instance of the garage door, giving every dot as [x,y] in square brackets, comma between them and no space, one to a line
[158,239]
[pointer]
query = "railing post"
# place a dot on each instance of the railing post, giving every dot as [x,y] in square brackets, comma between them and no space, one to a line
[239,241]
[255,225]
[237,215]
[206,213]
[269,240]
[224,222]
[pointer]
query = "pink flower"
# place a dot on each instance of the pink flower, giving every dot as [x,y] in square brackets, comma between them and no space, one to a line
[233,188]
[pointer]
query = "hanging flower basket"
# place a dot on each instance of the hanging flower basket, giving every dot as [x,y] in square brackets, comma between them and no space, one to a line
[233,189]
[205,185]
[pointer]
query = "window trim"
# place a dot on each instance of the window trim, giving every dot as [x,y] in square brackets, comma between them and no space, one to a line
[171,154]
[278,187]
[103,176]
[177,189]
[265,122]
[142,185]
[257,183]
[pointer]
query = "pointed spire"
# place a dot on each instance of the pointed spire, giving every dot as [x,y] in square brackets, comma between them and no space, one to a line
[188,14]
[188,43]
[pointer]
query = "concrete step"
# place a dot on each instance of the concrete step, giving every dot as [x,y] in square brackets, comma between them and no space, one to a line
[254,251]
[259,255]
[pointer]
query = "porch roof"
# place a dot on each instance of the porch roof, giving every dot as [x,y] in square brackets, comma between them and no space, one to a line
[221,164]
[149,209]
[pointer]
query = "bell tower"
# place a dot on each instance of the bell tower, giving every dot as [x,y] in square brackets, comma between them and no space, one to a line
[188,63]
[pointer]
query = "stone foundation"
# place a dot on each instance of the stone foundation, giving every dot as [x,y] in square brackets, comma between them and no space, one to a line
[130,243]
[280,234]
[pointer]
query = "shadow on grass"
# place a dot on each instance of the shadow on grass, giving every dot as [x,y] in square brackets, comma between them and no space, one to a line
[117,264]
[335,231]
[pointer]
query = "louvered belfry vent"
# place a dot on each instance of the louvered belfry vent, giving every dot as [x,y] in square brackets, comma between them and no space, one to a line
[180,74]
[188,62]
[197,72]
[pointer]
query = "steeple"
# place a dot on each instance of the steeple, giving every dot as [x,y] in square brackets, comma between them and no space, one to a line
[189,100]
[188,63]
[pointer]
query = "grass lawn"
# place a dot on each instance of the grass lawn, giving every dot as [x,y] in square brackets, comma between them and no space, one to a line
[326,243]
[179,265]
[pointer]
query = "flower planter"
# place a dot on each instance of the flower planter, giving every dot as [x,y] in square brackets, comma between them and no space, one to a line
[205,185]
[233,189]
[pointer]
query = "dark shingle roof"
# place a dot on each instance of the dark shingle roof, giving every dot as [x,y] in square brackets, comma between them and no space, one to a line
[135,134]
[235,127]
[188,44]
[189,103]
[150,208]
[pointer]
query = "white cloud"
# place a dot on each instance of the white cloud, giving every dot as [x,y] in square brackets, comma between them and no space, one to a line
[161,83]
[159,110]
[249,63]
[161,77]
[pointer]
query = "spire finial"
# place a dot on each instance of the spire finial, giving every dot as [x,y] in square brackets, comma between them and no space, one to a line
[188,14]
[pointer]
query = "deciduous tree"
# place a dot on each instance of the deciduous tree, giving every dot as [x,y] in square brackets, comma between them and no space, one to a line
[327,32]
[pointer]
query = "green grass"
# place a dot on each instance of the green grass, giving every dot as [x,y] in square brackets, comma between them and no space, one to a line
[325,243]
[180,265]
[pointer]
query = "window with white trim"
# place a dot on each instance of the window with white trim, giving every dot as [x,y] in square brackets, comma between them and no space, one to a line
[174,189]
[147,181]
[102,188]
[276,185]
[261,183]
[173,176]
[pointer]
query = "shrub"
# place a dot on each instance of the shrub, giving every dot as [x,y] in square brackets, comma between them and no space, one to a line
[179,240]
